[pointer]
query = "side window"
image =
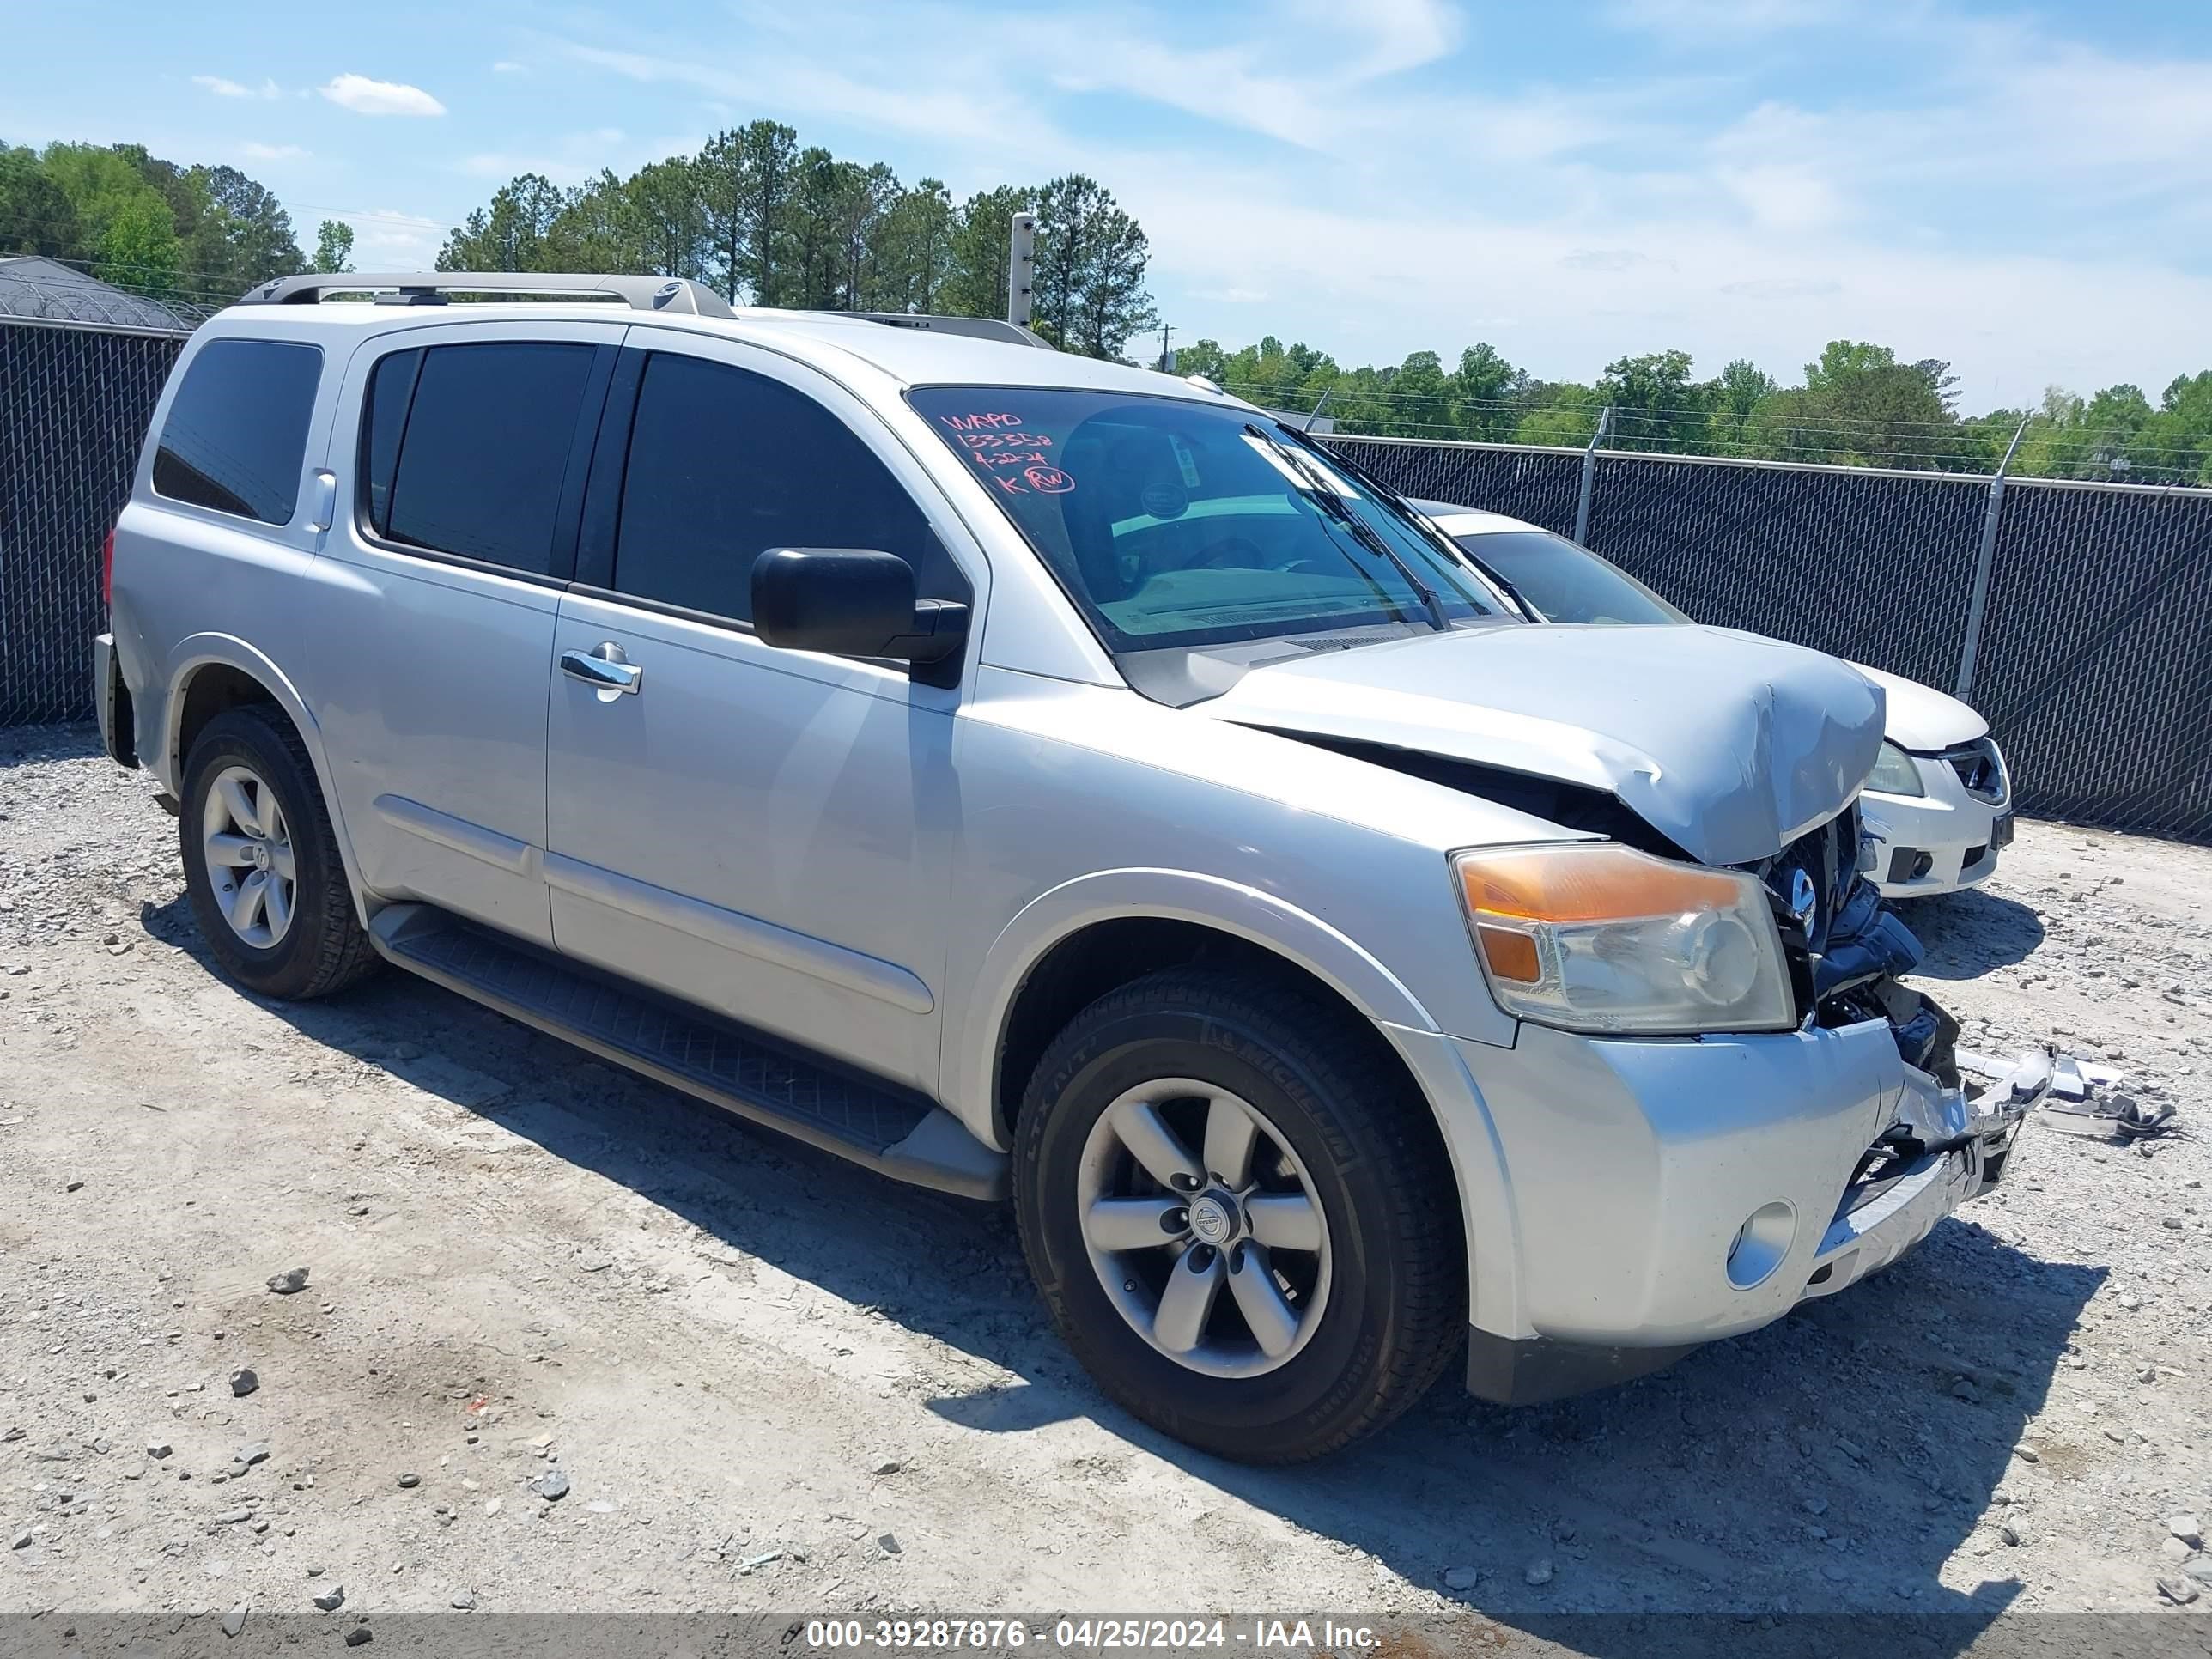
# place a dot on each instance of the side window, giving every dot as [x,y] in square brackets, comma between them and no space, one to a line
[482,449]
[383,418]
[236,435]
[725,464]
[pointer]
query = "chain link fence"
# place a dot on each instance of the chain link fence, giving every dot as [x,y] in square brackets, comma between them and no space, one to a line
[2092,660]
[74,406]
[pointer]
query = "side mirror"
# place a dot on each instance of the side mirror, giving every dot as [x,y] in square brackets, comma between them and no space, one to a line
[851,602]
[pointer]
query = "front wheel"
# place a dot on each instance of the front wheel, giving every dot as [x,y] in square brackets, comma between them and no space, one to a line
[1243,1224]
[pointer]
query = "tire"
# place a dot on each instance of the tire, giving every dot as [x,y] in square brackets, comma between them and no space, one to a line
[320,946]
[1380,1306]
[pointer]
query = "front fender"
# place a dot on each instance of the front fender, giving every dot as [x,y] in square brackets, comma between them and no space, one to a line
[970,1084]
[200,651]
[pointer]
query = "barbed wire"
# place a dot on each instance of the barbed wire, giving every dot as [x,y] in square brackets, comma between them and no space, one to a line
[1969,429]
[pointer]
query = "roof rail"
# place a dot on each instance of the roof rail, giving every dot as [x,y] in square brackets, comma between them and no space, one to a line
[431,287]
[980,328]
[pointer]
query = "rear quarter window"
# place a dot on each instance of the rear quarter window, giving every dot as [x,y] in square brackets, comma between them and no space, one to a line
[236,434]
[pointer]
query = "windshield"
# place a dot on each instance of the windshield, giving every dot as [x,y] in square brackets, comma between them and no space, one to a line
[1566,583]
[1177,524]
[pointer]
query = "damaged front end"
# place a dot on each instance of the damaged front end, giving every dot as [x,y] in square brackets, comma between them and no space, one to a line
[1948,1139]
[1847,950]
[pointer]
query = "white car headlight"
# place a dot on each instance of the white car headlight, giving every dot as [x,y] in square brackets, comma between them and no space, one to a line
[1896,773]
[1593,936]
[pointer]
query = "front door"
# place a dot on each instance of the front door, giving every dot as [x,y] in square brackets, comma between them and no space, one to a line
[765,833]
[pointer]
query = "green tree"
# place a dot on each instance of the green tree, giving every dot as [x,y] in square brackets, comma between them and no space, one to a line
[596,229]
[239,236]
[1860,405]
[1418,394]
[36,214]
[1734,400]
[668,218]
[1564,416]
[1091,264]
[1485,392]
[138,249]
[975,283]
[2174,446]
[333,247]
[511,235]
[749,178]
[1657,405]
[913,255]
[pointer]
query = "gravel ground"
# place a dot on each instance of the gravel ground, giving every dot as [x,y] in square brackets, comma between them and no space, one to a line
[570,1341]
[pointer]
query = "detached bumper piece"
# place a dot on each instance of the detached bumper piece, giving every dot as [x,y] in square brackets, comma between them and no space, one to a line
[2082,1099]
[113,697]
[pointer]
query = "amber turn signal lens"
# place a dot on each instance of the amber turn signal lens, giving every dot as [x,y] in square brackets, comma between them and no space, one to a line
[1509,954]
[1592,883]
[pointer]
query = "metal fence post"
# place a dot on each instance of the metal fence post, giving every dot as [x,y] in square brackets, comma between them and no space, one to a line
[1589,475]
[1021,268]
[1978,603]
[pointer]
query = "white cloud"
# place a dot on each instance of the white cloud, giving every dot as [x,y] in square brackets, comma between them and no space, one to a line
[260,152]
[366,97]
[508,66]
[223,89]
[1971,185]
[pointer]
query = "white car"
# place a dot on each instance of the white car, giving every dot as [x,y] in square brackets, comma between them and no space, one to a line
[1938,806]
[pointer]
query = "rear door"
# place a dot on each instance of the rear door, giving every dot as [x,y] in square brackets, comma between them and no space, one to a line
[464,476]
[766,833]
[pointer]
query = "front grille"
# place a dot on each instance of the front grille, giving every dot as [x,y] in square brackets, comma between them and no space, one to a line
[1829,857]
[1979,770]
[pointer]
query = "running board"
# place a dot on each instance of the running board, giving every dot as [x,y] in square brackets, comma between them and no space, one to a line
[894,1131]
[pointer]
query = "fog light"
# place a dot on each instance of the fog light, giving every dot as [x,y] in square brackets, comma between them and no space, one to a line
[1760,1243]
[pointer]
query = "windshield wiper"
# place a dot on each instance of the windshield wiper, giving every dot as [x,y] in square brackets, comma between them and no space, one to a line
[1322,495]
[1421,521]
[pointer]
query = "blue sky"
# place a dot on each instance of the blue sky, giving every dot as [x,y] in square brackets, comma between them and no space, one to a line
[2023,190]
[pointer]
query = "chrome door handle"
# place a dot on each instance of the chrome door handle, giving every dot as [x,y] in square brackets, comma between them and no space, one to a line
[604,668]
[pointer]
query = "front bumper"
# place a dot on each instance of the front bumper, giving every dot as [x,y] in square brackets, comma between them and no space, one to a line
[1937,842]
[1660,1195]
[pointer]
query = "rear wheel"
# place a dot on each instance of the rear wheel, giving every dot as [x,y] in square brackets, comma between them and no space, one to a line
[1242,1224]
[262,868]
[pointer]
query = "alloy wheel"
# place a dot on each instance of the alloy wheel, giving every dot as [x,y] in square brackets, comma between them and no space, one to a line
[1187,1191]
[250,863]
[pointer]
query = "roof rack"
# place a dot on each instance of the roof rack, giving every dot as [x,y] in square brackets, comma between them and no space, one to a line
[980,328]
[430,288]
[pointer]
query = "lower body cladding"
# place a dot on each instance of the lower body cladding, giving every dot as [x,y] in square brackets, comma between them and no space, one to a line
[1655,1194]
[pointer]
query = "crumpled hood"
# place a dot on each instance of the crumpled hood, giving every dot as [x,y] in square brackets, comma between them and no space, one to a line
[1730,744]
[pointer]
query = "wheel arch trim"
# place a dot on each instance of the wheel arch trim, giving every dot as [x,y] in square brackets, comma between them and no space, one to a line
[200,651]
[970,1082]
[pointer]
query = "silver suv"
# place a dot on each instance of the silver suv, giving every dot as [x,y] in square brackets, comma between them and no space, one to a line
[1021,774]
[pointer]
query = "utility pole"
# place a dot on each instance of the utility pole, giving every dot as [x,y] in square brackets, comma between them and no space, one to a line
[1021,269]
[1167,357]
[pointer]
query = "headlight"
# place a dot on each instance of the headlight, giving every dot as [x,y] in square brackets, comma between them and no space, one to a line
[1593,936]
[1896,773]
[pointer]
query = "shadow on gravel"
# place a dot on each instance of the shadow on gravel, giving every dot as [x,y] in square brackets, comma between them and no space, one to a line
[22,743]
[1968,934]
[1832,1462]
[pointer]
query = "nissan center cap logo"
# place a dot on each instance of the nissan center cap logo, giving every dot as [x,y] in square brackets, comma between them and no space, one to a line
[1804,900]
